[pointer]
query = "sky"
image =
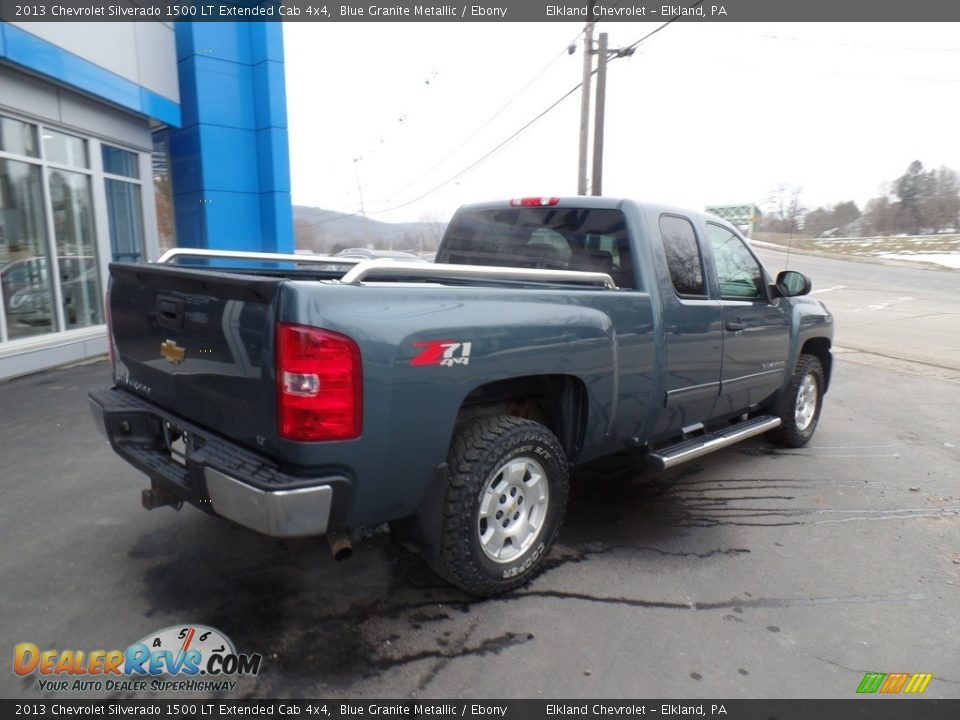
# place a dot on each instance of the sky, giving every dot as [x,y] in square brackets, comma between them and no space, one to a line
[410,115]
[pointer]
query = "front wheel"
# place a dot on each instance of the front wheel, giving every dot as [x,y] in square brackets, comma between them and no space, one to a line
[505,503]
[799,406]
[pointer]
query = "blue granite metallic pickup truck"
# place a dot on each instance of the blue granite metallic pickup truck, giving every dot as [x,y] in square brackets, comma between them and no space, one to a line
[303,395]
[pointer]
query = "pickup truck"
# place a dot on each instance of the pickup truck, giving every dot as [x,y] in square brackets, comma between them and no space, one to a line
[299,395]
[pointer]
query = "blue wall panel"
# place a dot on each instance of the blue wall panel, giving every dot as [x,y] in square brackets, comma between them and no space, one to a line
[33,53]
[272,159]
[185,161]
[233,220]
[269,81]
[190,217]
[276,214]
[267,45]
[230,160]
[232,148]
[226,92]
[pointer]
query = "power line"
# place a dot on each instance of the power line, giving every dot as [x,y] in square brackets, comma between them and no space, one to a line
[661,27]
[514,135]
[486,123]
[519,131]
[486,156]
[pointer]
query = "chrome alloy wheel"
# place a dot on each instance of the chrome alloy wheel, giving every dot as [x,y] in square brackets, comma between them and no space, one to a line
[806,406]
[513,508]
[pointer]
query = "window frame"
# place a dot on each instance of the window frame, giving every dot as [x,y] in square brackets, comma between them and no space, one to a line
[705,295]
[100,215]
[764,279]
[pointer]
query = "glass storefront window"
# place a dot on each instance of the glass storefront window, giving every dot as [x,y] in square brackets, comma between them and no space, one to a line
[49,250]
[117,161]
[64,149]
[18,138]
[126,221]
[24,276]
[76,248]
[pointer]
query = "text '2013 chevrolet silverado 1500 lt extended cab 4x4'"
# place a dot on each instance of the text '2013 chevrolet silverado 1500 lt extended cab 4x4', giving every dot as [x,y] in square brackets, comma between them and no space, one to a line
[300,395]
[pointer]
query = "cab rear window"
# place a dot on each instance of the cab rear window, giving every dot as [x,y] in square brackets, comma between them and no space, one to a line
[550,238]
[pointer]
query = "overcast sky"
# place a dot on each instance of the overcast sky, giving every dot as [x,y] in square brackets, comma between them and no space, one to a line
[703,113]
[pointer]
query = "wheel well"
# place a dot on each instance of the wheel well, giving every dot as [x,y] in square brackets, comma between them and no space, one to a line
[820,348]
[557,401]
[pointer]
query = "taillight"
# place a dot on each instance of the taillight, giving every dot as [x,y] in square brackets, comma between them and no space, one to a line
[319,384]
[534,201]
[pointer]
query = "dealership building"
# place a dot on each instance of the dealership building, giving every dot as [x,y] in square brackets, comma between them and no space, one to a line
[117,141]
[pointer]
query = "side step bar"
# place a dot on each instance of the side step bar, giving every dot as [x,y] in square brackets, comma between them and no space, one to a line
[668,457]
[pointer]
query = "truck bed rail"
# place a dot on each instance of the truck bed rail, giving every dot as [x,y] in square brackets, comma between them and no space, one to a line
[370,269]
[175,253]
[388,268]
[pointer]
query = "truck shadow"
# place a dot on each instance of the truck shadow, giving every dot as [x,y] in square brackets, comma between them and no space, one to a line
[323,625]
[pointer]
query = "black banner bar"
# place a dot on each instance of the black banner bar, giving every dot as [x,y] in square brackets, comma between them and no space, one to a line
[872,708]
[483,11]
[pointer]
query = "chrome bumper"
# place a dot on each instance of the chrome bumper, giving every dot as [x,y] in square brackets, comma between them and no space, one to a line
[280,513]
[221,476]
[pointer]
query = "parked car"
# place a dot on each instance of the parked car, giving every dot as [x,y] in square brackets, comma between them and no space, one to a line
[373,254]
[79,287]
[21,274]
[451,399]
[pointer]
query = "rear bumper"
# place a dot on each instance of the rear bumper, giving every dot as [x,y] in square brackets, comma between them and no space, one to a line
[216,475]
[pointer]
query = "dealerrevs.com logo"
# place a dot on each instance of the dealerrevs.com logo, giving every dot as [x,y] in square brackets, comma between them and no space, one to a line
[181,658]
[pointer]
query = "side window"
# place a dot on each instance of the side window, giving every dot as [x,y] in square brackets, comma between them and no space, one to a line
[683,256]
[738,271]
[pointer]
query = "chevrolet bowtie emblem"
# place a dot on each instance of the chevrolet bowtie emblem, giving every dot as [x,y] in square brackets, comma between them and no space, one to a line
[172,352]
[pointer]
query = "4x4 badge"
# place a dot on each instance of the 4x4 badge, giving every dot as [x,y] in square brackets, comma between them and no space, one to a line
[442,352]
[172,352]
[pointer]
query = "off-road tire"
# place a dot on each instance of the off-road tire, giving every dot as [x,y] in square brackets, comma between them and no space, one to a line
[480,449]
[793,433]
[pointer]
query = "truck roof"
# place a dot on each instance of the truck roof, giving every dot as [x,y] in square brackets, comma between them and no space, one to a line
[651,209]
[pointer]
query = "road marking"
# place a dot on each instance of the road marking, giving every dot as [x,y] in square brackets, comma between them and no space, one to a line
[905,514]
[853,447]
[829,289]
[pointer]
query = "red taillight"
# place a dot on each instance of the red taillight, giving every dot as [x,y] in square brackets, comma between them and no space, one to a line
[534,201]
[319,384]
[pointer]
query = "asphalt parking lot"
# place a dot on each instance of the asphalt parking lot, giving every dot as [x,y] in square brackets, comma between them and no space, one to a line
[758,572]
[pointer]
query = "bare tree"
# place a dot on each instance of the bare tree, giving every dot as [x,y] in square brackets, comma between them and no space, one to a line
[880,217]
[783,210]
[304,235]
[940,205]
[910,189]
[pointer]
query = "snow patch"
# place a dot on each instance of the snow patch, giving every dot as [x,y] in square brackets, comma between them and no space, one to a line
[950,260]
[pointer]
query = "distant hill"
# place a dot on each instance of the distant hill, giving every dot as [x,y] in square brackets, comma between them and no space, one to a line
[326,231]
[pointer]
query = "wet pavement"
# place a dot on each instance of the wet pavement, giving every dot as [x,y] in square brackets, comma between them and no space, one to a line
[755,572]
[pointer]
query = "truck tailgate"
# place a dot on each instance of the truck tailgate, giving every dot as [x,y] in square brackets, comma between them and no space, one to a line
[198,343]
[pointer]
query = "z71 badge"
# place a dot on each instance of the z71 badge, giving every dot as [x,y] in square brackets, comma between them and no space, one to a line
[442,352]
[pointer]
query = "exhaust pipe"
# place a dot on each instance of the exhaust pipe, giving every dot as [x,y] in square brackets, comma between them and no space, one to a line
[340,545]
[159,497]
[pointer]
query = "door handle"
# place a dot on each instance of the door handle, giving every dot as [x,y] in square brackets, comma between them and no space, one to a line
[170,312]
[735,325]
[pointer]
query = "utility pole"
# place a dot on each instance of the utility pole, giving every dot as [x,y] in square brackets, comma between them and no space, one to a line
[585,103]
[596,187]
[604,53]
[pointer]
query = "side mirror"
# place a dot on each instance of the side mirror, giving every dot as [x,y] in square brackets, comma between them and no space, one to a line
[791,283]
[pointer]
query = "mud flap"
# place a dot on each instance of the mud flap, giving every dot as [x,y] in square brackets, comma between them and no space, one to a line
[423,529]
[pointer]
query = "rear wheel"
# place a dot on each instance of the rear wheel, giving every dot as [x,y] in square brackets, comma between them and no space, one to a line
[799,406]
[504,503]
